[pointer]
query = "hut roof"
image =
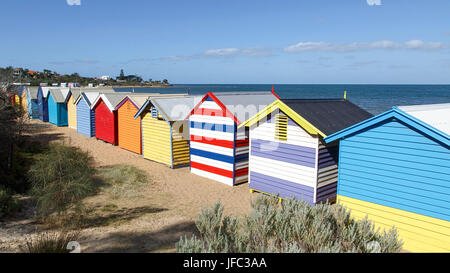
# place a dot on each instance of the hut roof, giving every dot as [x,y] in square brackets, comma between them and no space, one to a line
[157,96]
[33,91]
[137,99]
[317,116]
[328,115]
[436,115]
[89,97]
[60,95]
[416,118]
[110,99]
[240,105]
[175,108]
[76,91]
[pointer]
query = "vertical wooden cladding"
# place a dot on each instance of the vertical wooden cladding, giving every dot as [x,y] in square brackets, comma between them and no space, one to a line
[129,129]
[85,118]
[72,112]
[105,123]
[156,139]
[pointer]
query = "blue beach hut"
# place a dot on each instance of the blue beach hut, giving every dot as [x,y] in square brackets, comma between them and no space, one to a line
[86,115]
[32,102]
[288,156]
[42,103]
[57,106]
[395,169]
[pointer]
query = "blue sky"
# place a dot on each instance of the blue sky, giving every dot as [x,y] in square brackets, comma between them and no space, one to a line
[244,41]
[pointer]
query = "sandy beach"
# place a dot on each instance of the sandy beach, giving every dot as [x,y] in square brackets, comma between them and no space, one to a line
[153,222]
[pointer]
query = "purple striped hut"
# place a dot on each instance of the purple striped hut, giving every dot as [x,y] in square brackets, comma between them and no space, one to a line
[288,156]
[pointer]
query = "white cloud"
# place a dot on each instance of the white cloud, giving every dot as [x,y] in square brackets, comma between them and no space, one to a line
[374,2]
[228,52]
[73,2]
[360,46]
[221,52]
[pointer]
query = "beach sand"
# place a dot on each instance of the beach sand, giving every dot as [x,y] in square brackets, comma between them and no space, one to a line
[153,222]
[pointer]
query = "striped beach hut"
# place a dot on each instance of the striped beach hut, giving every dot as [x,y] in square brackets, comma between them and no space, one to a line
[32,102]
[105,114]
[57,106]
[395,169]
[42,102]
[288,156]
[85,115]
[165,137]
[218,149]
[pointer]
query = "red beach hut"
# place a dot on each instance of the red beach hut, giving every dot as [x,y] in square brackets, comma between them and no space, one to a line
[106,116]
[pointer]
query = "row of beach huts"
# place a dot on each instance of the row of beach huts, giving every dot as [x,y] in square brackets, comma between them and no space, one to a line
[393,168]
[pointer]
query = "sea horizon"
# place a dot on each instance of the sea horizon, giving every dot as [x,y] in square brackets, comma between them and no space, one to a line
[374,98]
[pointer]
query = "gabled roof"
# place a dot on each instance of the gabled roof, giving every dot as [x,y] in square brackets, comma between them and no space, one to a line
[317,116]
[59,95]
[89,97]
[328,115]
[76,91]
[45,90]
[239,106]
[401,115]
[137,99]
[111,100]
[436,115]
[175,108]
[165,109]
[33,92]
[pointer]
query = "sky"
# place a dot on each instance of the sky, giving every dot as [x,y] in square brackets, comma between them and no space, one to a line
[233,41]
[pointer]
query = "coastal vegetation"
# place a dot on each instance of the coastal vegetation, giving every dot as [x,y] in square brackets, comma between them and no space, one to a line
[35,78]
[290,227]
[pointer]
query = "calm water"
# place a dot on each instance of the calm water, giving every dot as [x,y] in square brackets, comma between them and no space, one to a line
[374,98]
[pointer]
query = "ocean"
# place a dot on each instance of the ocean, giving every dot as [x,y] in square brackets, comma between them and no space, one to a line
[373,98]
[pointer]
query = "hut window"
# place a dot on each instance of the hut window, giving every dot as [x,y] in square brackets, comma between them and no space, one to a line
[281,123]
[154,112]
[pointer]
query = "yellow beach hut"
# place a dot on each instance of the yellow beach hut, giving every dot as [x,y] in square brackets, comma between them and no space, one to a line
[165,133]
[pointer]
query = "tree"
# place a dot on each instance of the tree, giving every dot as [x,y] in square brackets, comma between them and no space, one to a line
[122,75]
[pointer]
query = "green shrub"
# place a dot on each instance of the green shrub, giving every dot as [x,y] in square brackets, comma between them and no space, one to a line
[8,204]
[61,178]
[49,242]
[294,226]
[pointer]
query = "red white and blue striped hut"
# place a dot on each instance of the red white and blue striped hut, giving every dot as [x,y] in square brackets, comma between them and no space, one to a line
[218,149]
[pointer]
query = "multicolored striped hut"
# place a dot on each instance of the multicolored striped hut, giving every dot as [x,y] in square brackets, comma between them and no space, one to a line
[395,169]
[165,137]
[105,114]
[57,106]
[288,156]
[218,149]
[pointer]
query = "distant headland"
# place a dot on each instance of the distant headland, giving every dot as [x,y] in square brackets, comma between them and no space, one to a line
[51,78]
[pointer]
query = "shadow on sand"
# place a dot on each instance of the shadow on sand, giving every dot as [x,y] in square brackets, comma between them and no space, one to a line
[162,240]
